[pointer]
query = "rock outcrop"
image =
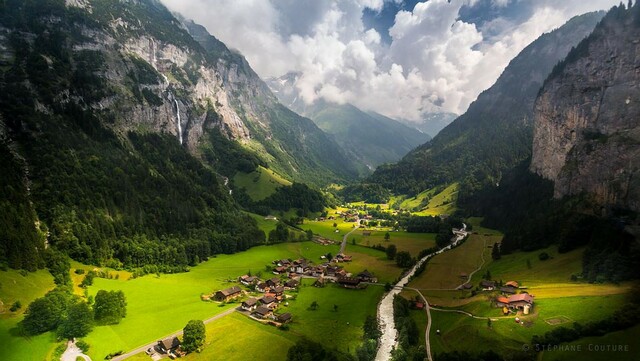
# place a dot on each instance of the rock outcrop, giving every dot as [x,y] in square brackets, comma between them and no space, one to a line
[587,116]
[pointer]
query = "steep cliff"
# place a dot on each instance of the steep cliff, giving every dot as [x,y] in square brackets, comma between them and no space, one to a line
[495,133]
[587,116]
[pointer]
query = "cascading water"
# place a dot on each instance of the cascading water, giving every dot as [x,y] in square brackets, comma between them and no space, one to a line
[179,122]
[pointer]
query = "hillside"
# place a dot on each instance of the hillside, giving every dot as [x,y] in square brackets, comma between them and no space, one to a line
[495,133]
[371,139]
[116,126]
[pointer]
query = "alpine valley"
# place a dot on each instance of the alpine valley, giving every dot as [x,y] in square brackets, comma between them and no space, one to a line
[160,200]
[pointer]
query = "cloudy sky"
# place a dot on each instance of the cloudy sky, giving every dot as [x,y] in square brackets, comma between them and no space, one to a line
[399,58]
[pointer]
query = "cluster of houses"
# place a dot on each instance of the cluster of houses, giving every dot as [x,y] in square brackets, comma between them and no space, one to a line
[509,299]
[305,268]
[264,307]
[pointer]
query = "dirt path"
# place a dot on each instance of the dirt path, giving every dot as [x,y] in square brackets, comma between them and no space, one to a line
[177,333]
[484,247]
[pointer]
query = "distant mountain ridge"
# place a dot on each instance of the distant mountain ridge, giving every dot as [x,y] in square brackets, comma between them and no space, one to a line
[495,133]
[369,138]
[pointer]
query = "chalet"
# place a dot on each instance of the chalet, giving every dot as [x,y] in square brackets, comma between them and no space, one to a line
[343,258]
[168,345]
[316,271]
[227,294]
[319,282]
[270,218]
[282,262]
[250,304]
[487,285]
[349,282]
[508,290]
[331,271]
[273,282]
[502,301]
[512,284]
[418,305]
[341,273]
[263,312]
[521,301]
[291,284]
[262,287]
[280,269]
[268,301]
[466,286]
[278,291]
[284,318]
[248,280]
[365,276]
[464,276]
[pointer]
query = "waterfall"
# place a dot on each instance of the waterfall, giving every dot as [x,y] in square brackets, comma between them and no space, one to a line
[179,124]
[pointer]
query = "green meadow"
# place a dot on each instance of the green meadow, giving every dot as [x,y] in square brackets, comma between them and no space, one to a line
[460,332]
[260,183]
[404,241]
[237,337]
[327,230]
[590,348]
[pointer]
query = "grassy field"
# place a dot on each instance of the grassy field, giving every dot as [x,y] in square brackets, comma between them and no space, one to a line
[529,270]
[459,332]
[327,230]
[260,183]
[237,337]
[404,241]
[176,297]
[442,203]
[341,329]
[589,348]
[373,260]
[443,271]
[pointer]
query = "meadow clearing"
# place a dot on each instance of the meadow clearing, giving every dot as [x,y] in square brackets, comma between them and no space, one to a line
[404,241]
[260,183]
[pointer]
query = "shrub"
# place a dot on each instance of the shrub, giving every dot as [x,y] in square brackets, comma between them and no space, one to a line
[543,256]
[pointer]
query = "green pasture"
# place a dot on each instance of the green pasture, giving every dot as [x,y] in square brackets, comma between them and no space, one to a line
[260,183]
[339,329]
[404,241]
[443,271]
[460,332]
[237,337]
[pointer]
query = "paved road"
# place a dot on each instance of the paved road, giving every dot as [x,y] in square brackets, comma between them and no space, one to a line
[177,333]
[344,239]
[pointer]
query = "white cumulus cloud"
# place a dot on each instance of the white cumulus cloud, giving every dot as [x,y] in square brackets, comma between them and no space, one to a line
[435,61]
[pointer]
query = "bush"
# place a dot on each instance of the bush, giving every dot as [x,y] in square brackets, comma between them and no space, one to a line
[79,271]
[543,256]
[16,306]
[82,345]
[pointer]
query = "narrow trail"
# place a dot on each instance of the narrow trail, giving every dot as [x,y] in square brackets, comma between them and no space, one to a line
[484,247]
[177,333]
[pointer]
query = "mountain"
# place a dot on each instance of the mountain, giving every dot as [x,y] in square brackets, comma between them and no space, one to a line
[431,123]
[587,116]
[495,133]
[368,137]
[117,121]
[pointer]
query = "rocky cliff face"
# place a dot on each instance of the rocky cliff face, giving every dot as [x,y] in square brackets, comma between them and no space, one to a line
[587,116]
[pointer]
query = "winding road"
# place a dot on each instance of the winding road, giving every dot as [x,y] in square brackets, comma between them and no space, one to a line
[388,339]
[343,245]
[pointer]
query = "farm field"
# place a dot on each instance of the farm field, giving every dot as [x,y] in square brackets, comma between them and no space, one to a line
[460,332]
[443,271]
[240,338]
[260,183]
[341,329]
[373,260]
[327,230]
[404,241]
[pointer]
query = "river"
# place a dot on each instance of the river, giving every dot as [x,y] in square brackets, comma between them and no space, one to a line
[385,308]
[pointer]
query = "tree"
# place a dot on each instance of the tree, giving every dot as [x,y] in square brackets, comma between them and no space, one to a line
[335,224]
[110,307]
[371,329]
[335,308]
[495,252]
[193,336]
[403,259]
[391,251]
[489,322]
[309,234]
[79,321]
[45,313]
[314,305]
[387,236]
